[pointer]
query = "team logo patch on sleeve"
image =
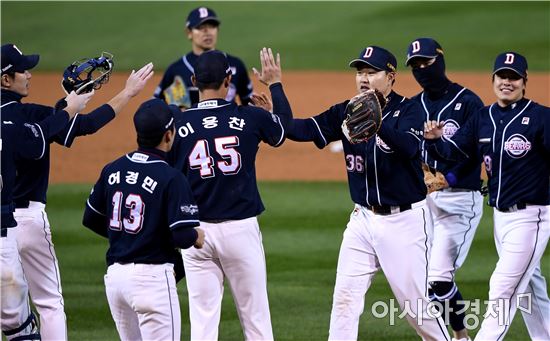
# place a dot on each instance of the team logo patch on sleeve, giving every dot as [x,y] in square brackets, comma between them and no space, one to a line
[525,120]
[458,106]
[517,146]
[190,209]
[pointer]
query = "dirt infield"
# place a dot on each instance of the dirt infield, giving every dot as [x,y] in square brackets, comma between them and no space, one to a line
[309,93]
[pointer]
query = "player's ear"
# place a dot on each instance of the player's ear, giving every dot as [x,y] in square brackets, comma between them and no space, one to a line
[189,34]
[227,81]
[6,80]
[193,80]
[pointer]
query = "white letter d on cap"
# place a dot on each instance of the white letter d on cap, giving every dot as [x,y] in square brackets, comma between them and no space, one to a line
[368,52]
[509,58]
[416,46]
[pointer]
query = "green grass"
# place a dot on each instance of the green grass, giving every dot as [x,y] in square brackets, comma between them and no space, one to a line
[302,231]
[310,35]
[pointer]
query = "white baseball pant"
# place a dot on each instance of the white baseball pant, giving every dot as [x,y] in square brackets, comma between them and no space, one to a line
[144,303]
[232,249]
[15,309]
[34,240]
[521,238]
[399,245]
[456,216]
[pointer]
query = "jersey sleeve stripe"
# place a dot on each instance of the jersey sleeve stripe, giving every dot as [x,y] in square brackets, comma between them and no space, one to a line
[184,222]
[93,209]
[455,145]
[70,130]
[281,139]
[319,130]
[418,138]
[43,141]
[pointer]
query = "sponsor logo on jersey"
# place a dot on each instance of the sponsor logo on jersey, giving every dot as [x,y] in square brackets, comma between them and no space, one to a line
[32,128]
[396,113]
[208,104]
[458,106]
[190,209]
[139,157]
[382,145]
[517,146]
[525,120]
[450,128]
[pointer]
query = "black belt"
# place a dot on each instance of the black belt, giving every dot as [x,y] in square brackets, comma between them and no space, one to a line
[513,208]
[387,209]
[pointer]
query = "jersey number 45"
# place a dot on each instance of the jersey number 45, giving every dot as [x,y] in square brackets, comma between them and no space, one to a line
[200,157]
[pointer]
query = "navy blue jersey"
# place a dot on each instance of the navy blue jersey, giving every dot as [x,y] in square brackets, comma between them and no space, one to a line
[142,200]
[455,107]
[19,142]
[184,68]
[33,175]
[216,146]
[513,143]
[386,170]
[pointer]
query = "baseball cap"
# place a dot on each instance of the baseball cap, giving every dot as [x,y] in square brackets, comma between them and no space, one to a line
[423,47]
[511,61]
[13,60]
[212,67]
[377,57]
[201,15]
[154,117]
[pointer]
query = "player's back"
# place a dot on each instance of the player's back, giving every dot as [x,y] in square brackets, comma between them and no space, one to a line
[216,146]
[135,202]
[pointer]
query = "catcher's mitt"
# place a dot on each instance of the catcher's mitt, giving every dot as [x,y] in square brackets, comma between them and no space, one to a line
[433,179]
[363,116]
[86,75]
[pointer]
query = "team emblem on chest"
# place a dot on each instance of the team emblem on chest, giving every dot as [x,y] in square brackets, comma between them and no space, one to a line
[517,146]
[450,128]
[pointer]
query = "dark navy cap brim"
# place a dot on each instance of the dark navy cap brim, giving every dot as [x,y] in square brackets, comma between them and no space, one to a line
[27,62]
[510,68]
[354,63]
[211,19]
[419,55]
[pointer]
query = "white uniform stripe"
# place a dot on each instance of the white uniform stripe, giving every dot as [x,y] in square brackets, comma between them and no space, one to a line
[319,130]
[93,208]
[187,64]
[6,104]
[206,108]
[70,129]
[502,149]
[152,161]
[43,142]
[456,146]
[183,222]
[282,138]
[416,137]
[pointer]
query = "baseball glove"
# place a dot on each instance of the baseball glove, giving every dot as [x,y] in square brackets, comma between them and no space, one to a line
[433,179]
[86,75]
[363,116]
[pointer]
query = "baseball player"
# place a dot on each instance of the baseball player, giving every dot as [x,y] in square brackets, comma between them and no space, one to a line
[33,233]
[145,208]
[512,138]
[216,149]
[390,226]
[21,141]
[456,211]
[202,29]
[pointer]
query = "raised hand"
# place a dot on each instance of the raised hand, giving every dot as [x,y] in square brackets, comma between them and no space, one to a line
[271,67]
[262,101]
[137,80]
[433,130]
[77,103]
